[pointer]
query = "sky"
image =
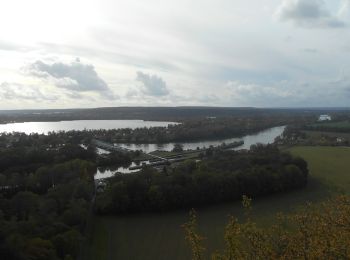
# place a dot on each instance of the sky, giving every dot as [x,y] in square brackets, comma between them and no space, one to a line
[99,53]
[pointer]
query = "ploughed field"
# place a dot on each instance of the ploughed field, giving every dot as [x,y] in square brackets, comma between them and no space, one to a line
[160,236]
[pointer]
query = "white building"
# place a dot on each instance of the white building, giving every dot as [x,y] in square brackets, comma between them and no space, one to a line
[325,118]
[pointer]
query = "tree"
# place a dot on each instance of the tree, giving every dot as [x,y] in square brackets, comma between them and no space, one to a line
[178,148]
[68,243]
[39,249]
[24,204]
[321,232]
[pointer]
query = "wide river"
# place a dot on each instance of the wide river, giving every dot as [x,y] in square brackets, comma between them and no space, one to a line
[263,137]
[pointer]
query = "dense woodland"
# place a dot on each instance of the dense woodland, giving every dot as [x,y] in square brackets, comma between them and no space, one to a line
[203,129]
[43,214]
[46,195]
[221,176]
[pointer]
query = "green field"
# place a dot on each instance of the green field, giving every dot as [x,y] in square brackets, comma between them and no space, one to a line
[154,236]
[343,125]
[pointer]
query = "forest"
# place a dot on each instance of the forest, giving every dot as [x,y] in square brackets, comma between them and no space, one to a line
[43,214]
[221,176]
[46,194]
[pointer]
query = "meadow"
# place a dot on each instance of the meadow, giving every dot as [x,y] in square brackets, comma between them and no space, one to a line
[334,126]
[160,236]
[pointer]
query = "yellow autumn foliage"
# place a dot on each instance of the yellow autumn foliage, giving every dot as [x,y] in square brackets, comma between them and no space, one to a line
[317,232]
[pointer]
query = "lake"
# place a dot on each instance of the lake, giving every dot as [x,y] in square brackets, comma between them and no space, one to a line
[78,125]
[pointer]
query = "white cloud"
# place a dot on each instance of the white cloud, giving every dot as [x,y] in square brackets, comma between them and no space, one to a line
[17,91]
[344,11]
[75,76]
[152,84]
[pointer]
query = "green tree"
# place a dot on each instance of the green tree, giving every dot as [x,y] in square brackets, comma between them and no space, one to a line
[39,249]
[25,203]
[178,148]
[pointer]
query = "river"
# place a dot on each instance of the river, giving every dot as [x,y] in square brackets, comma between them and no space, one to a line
[263,137]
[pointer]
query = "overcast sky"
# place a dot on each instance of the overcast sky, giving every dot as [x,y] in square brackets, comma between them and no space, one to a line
[92,53]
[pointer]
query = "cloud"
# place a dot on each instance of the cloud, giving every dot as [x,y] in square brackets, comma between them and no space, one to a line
[308,13]
[344,11]
[152,84]
[17,91]
[6,46]
[10,46]
[75,76]
[310,50]
[248,93]
[289,93]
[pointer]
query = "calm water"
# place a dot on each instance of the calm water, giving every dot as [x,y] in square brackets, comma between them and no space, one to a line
[264,137]
[106,173]
[45,127]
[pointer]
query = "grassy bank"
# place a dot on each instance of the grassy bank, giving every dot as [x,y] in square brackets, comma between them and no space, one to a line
[160,236]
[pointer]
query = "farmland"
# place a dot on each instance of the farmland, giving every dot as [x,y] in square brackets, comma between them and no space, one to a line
[341,126]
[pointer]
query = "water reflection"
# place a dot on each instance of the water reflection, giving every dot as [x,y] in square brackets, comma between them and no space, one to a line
[78,125]
[102,173]
[264,137]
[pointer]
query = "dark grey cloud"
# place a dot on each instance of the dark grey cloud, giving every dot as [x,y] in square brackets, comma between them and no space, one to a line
[16,91]
[152,84]
[75,76]
[308,13]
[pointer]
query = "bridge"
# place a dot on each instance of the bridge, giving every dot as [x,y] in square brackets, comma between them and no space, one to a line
[109,147]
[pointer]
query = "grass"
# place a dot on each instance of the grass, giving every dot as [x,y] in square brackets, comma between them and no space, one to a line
[160,236]
[342,125]
[329,165]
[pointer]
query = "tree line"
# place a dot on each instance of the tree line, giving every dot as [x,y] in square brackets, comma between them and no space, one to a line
[221,176]
[187,130]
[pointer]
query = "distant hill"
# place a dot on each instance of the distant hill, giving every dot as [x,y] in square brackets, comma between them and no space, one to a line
[154,113]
